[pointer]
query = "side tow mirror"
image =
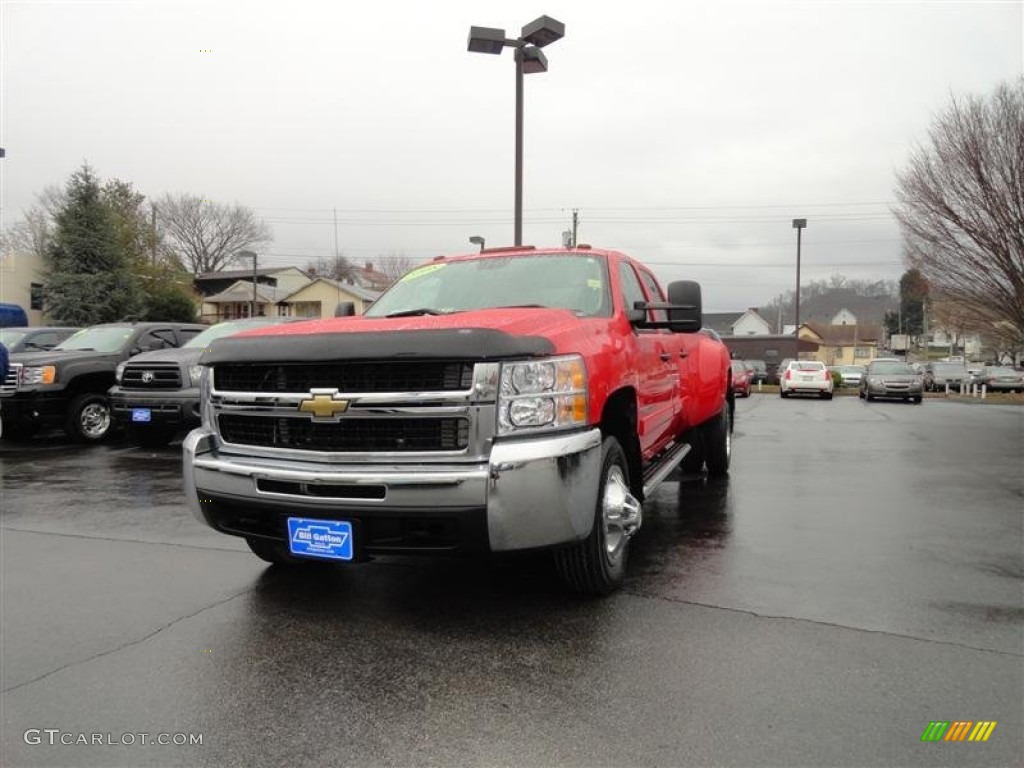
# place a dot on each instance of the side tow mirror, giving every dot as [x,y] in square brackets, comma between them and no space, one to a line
[688,316]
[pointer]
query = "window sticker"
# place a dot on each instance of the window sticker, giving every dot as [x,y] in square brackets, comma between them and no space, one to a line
[422,272]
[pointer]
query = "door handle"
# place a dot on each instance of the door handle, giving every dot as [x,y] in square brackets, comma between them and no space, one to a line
[665,357]
[684,354]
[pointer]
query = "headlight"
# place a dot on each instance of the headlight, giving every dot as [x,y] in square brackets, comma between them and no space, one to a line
[119,372]
[872,381]
[41,374]
[195,374]
[542,394]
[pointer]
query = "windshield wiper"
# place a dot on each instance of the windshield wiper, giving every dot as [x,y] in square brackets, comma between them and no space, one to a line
[416,312]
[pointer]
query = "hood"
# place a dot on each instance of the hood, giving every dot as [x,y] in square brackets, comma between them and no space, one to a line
[55,356]
[478,334]
[185,355]
[523,321]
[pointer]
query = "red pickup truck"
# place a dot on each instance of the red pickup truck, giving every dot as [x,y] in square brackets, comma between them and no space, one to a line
[513,399]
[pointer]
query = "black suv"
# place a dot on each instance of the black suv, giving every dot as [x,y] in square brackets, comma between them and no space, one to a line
[157,393]
[67,386]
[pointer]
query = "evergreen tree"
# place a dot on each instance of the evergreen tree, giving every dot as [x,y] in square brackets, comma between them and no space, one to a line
[88,277]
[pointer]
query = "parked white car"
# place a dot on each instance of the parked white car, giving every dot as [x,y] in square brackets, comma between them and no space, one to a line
[806,377]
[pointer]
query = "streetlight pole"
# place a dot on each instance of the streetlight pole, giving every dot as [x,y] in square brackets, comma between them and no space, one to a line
[528,59]
[798,225]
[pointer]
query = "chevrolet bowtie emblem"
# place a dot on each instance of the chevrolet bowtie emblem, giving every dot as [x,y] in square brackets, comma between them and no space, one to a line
[323,405]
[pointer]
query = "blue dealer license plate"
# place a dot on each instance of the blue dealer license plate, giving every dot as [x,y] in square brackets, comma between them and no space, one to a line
[327,539]
[142,414]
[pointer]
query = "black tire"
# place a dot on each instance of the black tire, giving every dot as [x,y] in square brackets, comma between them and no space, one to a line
[783,395]
[275,552]
[88,418]
[693,462]
[587,566]
[151,437]
[827,395]
[860,394]
[717,434]
[869,397]
[917,400]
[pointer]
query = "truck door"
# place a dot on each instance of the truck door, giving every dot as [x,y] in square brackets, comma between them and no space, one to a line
[680,346]
[657,372]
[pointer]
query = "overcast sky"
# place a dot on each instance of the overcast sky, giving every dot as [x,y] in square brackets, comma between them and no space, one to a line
[687,134]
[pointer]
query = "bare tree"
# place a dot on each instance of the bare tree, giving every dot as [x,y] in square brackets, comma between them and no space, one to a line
[962,205]
[204,236]
[335,267]
[394,264]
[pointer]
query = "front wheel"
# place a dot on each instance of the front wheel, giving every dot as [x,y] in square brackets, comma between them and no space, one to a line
[597,565]
[88,419]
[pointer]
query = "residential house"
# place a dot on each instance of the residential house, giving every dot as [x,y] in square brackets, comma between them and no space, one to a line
[21,283]
[749,323]
[235,301]
[319,297]
[288,278]
[856,344]
[844,317]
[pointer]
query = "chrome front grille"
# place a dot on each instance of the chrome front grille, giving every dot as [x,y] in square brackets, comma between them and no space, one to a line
[377,435]
[10,383]
[412,410]
[149,377]
[361,376]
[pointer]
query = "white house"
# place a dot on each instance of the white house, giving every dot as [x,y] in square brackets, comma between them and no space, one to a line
[750,323]
[844,317]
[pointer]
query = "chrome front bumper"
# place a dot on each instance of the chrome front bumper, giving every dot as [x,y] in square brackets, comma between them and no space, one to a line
[536,492]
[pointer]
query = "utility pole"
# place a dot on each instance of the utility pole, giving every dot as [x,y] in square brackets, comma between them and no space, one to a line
[798,225]
[335,235]
[252,308]
[575,225]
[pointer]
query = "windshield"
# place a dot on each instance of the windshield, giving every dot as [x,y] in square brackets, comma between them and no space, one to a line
[1000,371]
[852,369]
[945,368]
[228,329]
[105,338]
[11,336]
[807,366]
[892,369]
[579,283]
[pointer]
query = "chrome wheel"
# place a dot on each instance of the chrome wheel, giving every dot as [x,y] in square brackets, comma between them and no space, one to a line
[620,513]
[94,420]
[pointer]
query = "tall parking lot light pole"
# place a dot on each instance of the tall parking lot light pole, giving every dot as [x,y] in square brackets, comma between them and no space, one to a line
[798,225]
[528,59]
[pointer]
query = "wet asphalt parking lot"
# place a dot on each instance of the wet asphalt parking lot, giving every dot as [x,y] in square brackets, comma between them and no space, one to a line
[858,576]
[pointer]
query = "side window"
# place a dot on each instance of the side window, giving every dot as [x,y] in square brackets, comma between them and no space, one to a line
[631,290]
[654,291]
[162,338]
[187,334]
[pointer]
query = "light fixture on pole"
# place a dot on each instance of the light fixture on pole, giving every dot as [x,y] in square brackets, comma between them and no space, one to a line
[250,255]
[529,58]
[798,225]
[478,240]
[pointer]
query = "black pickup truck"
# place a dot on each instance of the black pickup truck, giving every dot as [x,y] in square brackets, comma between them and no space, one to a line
[67,385]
